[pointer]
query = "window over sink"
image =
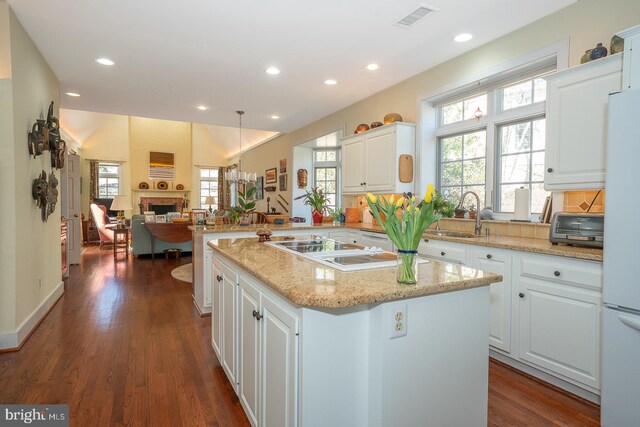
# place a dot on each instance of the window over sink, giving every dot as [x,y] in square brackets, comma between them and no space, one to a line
[491,141]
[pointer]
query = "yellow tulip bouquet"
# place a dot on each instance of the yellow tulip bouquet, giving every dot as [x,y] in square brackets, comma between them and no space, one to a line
[405,231]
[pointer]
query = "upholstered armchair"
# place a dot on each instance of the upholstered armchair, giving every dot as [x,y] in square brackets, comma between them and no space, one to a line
[104,227]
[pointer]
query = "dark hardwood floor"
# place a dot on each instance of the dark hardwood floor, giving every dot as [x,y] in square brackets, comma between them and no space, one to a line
[126,346]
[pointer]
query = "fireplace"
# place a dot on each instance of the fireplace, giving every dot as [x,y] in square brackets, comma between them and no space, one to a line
[162,209]
[160,205]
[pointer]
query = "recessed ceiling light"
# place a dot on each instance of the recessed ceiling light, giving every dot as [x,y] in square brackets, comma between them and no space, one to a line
[202,107]
[372,67]
[464,37]
[273,71]
[330,82]
[275,117]
[75,95]
[105,61]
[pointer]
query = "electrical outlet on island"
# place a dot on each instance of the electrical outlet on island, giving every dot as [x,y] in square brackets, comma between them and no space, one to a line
[398,321]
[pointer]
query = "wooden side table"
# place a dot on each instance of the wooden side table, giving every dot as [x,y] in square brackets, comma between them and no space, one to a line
[121,240]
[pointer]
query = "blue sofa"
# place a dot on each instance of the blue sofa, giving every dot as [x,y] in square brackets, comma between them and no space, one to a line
[141,239]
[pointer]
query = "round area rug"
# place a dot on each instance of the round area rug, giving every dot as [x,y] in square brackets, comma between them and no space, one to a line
[183,273]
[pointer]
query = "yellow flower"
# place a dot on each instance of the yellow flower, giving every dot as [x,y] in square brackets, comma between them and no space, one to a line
[372,198]
[430,192]
[399,202]
[391,199]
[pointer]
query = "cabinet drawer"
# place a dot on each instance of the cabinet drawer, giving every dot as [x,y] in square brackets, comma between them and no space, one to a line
[580,273]
[442,251]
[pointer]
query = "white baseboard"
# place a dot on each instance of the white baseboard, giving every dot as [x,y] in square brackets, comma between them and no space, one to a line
[13,340]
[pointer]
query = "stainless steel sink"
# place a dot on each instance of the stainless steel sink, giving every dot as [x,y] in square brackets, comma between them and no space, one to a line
[458,234]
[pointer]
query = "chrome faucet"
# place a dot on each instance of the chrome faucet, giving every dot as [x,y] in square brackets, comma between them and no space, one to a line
[478,227]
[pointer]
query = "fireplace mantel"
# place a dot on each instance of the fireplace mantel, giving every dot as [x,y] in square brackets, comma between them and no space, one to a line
[160,197]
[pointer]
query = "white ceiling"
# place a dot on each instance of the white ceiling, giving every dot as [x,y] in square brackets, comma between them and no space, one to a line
[173,55]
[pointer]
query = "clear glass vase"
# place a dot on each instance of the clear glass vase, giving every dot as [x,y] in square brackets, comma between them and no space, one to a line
[407,267]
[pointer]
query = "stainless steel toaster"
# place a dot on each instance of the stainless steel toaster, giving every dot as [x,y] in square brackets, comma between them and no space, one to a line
[580,229]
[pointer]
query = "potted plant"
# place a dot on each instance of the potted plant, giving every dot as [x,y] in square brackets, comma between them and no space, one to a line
[240,212]
[472,211]
[459,212]
[336,214]
[318,202]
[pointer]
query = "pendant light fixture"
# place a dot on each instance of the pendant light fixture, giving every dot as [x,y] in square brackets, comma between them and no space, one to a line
[236,176]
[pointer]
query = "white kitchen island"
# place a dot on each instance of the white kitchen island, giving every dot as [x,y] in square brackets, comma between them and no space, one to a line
[308,345]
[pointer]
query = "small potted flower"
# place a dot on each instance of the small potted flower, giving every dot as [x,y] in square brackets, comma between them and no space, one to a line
[405,231]
[318,202]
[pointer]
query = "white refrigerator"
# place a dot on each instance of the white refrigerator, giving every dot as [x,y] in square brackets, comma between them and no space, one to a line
[620,400]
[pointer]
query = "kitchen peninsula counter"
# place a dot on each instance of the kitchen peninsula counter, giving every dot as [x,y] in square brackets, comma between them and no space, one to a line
[310,284]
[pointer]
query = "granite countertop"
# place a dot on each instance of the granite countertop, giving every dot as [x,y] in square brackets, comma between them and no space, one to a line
[310,284]
[526,244]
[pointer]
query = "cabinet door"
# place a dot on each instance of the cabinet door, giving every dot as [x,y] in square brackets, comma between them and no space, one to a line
[229,326]
[353,166]
[279,371]
[577,102]
[560,329]
[249,349]
[216,308]
[208,260]
[500,296]
[443,251]
[380,162]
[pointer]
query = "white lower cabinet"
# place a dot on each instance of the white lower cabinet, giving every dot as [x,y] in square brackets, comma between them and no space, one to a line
[224,325]
[559,325]
[262,339]
[498,262]
[545,313]
[443,251]
[377,240]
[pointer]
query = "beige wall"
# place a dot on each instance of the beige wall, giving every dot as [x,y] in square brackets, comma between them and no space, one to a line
[205,151]
[30,248]
[585,23]
[130,139]
[7,180]
[164,136]
[110,141]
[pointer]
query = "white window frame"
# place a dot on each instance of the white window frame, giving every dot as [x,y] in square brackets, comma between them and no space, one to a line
[109,175]
[216,206]
[554,55]
[336,164]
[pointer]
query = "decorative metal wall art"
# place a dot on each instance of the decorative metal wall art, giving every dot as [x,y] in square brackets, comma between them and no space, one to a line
[45,135]
[45,193]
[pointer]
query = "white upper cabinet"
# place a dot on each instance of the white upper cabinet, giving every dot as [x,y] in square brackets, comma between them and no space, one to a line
[577,101]
[631,67]
[371,160]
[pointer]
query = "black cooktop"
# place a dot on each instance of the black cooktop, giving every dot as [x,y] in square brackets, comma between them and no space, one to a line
[310,246]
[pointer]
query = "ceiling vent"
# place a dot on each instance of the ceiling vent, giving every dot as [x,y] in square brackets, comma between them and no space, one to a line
[415,15]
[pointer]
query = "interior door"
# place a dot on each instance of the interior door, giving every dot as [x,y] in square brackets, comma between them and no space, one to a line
[73,208]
